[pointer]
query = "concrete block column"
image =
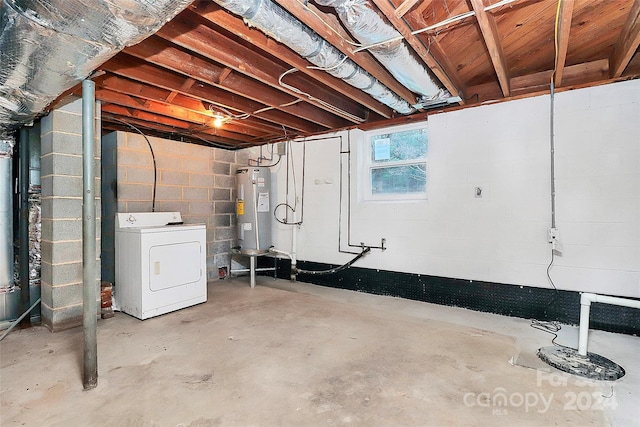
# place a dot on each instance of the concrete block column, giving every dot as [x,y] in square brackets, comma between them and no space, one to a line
[61,169]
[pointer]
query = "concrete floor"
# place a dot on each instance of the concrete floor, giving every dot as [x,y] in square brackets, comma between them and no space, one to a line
[293,354]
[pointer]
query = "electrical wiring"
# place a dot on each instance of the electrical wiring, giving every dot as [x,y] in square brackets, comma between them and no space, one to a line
[226,113]
[552,327]
[329,106]
[213,144]
[288,104]
[555,40]
[333,67]
[153,157]
[291,164]
[437,25]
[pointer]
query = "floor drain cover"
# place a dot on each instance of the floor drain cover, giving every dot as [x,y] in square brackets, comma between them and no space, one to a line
[591,366]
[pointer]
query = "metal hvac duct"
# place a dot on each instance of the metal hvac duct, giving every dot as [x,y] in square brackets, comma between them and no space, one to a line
[368,27]
[48,46]
[276,22]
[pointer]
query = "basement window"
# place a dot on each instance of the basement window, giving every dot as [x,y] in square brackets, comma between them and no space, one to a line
[396,163]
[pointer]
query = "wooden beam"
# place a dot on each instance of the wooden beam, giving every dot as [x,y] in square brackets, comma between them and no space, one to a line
[447,76]
[404,8]
[125,86]
[135,69]
[564,27]
[575,76]
[492,41]
[627,43]
[589,72]
[176,126]
[160,52]
[223,19]
[188,82]
[213,45]
[224,74]
[169,110]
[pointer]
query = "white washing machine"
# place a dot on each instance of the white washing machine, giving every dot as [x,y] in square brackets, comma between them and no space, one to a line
[161,263]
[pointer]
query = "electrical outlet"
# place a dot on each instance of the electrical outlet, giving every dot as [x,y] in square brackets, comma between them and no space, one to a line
[552,235]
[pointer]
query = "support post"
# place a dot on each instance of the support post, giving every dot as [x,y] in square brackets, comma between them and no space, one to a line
[23,227]
[90,290]
[252,264]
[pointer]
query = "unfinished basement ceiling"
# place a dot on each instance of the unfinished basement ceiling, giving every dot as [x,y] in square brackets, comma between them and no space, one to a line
[208,62]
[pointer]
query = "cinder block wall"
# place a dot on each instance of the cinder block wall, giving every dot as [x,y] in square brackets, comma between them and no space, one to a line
[61,180]
[197,181]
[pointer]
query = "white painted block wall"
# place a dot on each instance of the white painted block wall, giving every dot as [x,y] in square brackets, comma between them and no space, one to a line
[502,237]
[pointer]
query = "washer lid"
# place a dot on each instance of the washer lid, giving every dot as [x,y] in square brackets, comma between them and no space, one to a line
[165,229]
[147,219]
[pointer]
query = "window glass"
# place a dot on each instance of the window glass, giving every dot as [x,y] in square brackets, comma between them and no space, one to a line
[406,145]
[396,164]
[399,179]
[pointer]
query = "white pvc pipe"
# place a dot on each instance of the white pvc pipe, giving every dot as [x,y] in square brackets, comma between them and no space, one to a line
[586,299]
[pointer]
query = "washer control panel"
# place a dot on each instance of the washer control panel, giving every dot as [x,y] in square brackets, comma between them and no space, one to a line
[146,219]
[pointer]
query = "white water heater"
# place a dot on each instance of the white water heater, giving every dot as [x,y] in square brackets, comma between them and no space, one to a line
[253,210]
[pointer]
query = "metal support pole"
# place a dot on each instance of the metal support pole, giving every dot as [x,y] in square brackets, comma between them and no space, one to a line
[90,289]
[252,264]
[23,228]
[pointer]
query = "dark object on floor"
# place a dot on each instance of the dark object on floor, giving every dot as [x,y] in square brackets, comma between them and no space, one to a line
[592,366]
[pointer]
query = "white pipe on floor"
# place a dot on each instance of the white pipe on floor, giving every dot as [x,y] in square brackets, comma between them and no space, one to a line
[586,299]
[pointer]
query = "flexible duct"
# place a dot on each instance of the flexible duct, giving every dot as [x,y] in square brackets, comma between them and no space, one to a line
[48,46]
[276,22]
[368,27]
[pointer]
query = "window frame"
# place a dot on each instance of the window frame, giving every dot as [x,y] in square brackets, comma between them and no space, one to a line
[367,165]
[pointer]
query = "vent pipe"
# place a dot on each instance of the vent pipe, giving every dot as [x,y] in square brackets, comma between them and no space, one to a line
[369,28]
[49,46]
[279,24]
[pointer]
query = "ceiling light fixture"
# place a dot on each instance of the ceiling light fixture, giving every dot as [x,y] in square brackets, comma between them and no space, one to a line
[218,121]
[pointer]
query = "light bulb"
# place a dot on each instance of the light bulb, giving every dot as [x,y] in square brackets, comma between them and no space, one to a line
[217,122]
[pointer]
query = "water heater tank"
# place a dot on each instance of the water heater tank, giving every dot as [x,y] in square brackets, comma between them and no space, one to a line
[253,210]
